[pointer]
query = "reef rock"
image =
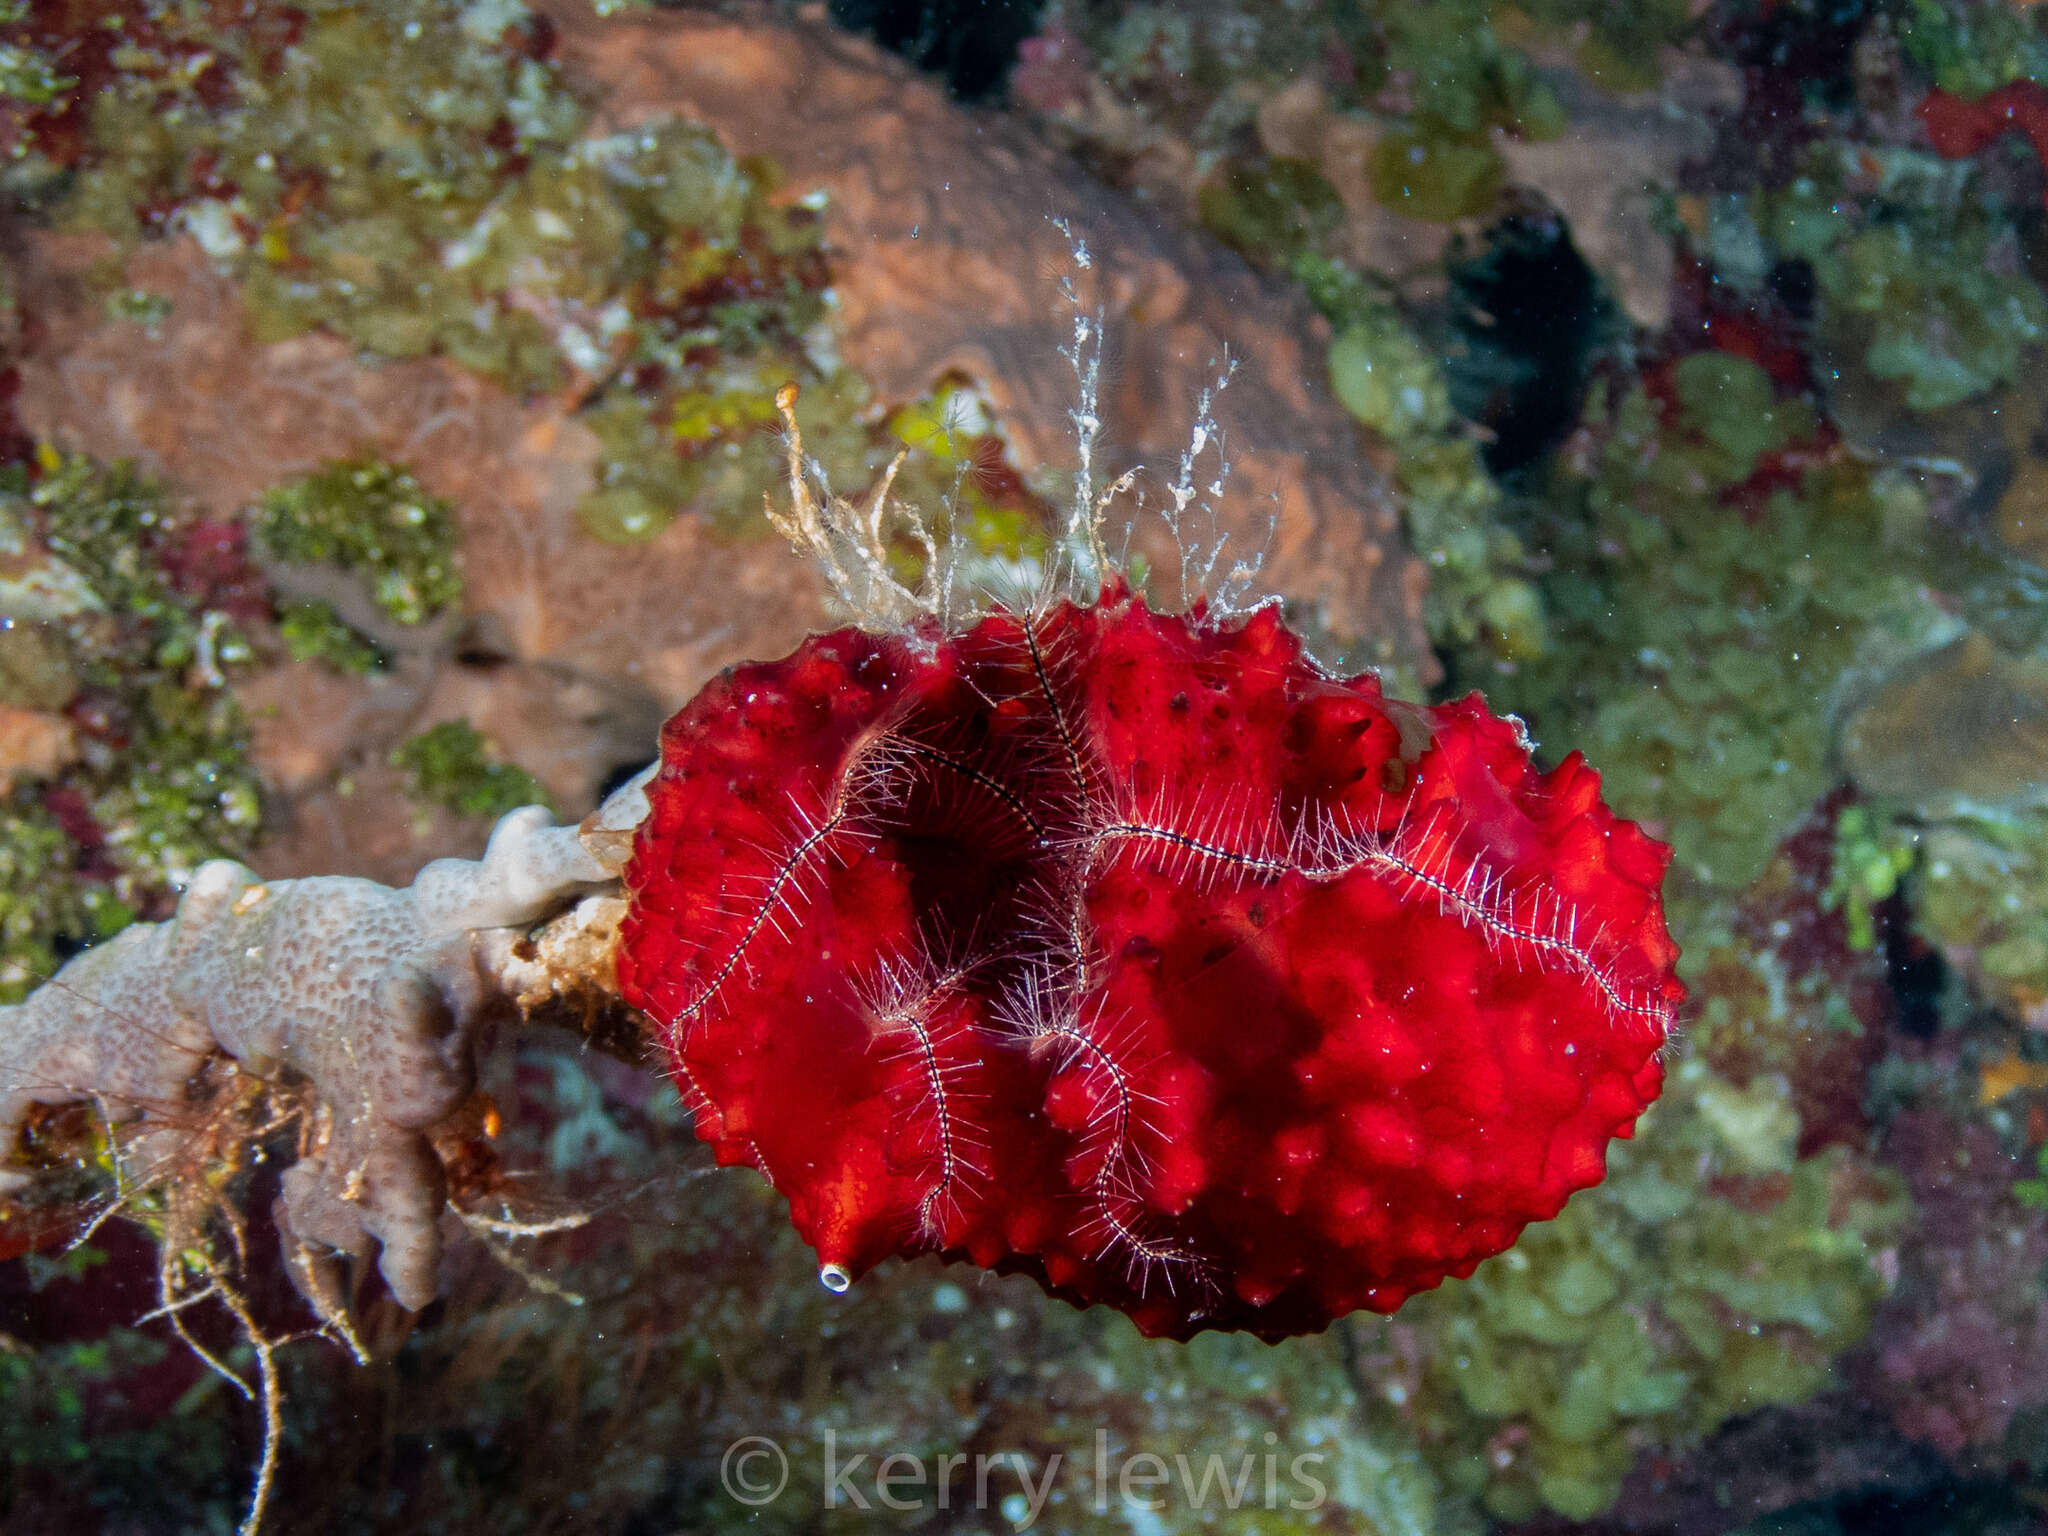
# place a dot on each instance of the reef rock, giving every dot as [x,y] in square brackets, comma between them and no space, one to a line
[947,262]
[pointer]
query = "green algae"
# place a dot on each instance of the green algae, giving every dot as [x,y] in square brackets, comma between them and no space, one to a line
[1871,856]
[2034,1192]
[714,448]
[1618,43]
[1438,82]
[44,909]
[1941,314]
[1382,372]
[1438,162]
[29,78]
[1271,209]
[454,765]
[1482,599]
[314,631]
[1972,47]
[1719,1268]
[702,297]
[1705,615]
[416,180]
[957,467]
[1916,269]
[1431,173]
[1981,893]
[1729,401]
[340,167]
[163,781]
[1654,1309]
[376,521]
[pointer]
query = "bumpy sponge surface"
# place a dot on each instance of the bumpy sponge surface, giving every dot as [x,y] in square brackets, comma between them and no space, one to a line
[1134,952]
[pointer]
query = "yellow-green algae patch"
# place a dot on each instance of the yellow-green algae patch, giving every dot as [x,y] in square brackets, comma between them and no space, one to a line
[162,779]
[417,179]
[374,520]
[455,765]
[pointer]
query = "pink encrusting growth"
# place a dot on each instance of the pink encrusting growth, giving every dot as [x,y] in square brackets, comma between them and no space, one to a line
[1133,951]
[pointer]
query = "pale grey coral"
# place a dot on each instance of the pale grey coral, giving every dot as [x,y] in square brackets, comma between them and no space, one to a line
[370,996]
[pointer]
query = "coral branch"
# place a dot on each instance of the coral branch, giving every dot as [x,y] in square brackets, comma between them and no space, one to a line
[369,996]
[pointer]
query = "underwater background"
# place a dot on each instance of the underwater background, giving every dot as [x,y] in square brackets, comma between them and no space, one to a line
[386,400]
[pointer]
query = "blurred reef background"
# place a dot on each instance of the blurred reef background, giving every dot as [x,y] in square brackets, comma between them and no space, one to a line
[385,389]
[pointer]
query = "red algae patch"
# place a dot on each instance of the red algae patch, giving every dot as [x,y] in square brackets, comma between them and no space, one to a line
[1132,951]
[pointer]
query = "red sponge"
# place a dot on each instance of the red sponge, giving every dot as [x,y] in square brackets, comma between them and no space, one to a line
[1134,952]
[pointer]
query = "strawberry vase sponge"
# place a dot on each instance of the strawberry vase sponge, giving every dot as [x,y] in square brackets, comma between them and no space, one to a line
[1132,951]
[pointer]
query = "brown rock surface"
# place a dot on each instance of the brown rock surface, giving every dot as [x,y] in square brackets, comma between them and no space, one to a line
[948,262]
[1965,725]
[195,401]
[1615,156]
[625,634]
[33,745]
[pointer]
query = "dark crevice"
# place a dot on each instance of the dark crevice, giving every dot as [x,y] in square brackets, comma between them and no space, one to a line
[1526,320]
[970,43]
